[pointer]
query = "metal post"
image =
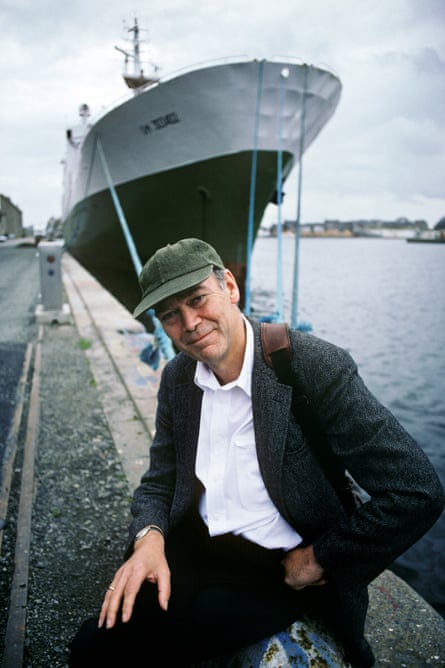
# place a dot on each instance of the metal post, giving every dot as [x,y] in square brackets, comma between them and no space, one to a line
[51,307]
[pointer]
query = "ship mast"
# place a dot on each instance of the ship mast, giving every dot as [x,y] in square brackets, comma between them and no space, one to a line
[136,80]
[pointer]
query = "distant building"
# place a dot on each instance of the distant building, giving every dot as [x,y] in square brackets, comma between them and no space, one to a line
[10,218]
[400,227]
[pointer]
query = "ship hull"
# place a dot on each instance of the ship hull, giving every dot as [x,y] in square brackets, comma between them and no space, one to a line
[179,158]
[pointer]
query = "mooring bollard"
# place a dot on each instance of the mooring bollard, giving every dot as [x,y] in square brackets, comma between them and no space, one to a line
[52,307]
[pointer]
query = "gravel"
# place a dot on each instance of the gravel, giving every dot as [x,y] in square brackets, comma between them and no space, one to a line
[81,507]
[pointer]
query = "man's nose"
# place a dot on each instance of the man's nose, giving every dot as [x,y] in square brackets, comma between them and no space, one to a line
[190,318]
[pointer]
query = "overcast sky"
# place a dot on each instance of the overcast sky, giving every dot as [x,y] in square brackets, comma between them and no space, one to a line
[382,155]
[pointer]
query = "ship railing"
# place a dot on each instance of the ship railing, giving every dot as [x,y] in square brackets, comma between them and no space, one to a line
[300,61]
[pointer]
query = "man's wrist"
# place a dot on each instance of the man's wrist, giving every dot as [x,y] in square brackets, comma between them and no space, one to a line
[146,530]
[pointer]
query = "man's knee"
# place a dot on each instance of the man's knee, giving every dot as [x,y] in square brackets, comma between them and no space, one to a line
[83,646]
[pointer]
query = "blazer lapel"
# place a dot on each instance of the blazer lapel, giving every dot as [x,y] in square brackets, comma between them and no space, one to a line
[271,409]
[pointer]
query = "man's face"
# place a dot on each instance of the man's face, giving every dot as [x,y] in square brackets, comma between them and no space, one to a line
[205,322]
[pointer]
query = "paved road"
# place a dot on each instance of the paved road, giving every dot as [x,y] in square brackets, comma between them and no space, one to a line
[19,290]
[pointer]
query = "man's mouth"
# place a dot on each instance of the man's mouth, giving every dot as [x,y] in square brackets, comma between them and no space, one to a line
[196,340]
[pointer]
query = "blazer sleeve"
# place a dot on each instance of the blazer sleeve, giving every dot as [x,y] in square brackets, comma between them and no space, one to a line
[406,496]
[152,499]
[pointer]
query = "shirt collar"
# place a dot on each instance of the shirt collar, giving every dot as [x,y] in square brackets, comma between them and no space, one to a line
[206,379]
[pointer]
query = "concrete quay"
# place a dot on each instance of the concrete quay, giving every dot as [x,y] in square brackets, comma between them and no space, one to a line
[112,340]
[403,629]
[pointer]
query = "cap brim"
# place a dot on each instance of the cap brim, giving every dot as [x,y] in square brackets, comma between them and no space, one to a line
[172,287]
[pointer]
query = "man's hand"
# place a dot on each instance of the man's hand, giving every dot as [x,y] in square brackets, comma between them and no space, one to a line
[301,569]
[148,562]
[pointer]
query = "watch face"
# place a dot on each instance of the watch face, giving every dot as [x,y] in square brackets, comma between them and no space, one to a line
[142,532]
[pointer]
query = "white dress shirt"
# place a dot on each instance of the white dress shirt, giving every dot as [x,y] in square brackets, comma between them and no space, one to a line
[235,498]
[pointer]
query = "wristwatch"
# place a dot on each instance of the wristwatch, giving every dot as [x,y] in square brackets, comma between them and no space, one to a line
[143,532]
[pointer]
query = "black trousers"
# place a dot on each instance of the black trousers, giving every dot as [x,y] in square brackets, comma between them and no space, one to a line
[227,593]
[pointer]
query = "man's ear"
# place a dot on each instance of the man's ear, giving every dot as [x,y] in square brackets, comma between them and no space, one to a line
[232,286]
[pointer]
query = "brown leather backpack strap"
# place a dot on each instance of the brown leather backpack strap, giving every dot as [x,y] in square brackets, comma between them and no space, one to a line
[274,337]
[277,353]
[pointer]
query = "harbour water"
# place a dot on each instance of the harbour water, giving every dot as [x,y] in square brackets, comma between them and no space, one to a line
[384,301]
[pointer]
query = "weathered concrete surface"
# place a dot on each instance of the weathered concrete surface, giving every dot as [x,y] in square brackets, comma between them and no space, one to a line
[404,630]
[112,339]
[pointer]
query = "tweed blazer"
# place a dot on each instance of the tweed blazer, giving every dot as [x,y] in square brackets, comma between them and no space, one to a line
[406,496]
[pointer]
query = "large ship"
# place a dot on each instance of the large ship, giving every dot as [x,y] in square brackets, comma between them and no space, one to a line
[197,154]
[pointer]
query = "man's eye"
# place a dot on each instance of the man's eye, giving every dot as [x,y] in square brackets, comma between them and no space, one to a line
[197,301]
[168,317]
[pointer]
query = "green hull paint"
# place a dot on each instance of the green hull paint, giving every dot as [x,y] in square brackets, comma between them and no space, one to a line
[209,200]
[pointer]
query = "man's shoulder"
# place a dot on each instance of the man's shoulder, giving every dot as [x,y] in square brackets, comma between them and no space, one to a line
[310,351]
[310,354]
[302,342]
[180,367]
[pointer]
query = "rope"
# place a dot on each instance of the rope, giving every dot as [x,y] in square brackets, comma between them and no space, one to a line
[120,214]
[253,171]
[278,316]
[162,340]
[294,324]
[279,313]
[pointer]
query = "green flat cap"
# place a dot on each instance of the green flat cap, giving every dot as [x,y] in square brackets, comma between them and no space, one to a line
[174,268]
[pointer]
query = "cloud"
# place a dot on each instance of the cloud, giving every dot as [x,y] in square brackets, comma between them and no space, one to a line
[383,148]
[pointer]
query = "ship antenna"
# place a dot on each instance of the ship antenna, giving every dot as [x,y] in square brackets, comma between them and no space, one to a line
[136,80]
[136,50]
